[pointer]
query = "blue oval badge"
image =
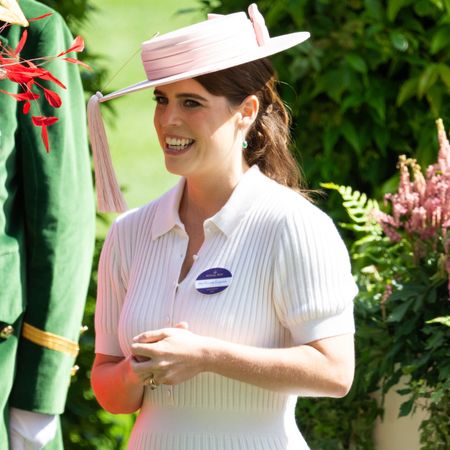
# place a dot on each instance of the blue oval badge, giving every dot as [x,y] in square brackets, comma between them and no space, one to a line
[213,280]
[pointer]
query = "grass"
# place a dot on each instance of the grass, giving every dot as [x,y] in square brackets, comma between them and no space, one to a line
[116,31]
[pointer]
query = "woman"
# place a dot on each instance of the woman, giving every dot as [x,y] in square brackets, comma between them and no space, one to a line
[229,296]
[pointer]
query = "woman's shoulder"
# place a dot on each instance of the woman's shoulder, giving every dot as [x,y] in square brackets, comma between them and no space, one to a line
[288,203]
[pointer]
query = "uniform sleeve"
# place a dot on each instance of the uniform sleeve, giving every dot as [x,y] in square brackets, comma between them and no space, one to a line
[313,284]
[110,295]
[58,212]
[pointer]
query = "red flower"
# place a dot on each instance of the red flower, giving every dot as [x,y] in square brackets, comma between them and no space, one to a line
[77,46]
[44,122]
[53,98]
[28,74]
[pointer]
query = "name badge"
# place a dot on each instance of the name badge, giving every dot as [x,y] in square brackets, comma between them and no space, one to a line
[213,280]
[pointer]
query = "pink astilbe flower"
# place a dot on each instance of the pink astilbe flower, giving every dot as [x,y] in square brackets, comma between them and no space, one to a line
[420,209]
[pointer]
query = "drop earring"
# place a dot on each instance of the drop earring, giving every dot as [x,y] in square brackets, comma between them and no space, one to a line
[244,144]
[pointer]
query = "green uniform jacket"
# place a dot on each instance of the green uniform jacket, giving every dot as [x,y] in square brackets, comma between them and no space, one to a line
[47,223]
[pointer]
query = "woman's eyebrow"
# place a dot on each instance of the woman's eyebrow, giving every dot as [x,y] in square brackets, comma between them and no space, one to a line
[183,95]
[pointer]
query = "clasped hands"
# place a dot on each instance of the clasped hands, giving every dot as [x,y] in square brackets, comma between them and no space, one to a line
[167,356]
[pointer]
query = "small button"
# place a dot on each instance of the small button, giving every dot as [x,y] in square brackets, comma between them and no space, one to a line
[169,393]
[6,332]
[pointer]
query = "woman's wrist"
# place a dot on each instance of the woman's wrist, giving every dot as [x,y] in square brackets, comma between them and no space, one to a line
[212,352]
[129,376]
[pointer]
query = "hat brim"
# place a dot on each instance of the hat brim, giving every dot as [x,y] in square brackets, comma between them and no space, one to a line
[275,45]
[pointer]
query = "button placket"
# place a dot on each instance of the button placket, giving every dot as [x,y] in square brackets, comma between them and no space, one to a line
[182,242]
[169,318]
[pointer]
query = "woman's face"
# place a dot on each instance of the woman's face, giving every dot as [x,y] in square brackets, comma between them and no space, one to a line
[197,131]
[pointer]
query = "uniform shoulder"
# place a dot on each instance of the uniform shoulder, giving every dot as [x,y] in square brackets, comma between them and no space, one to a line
[32,9]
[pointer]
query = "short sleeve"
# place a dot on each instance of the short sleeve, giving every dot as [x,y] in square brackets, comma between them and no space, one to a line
[313,284]
[111,292]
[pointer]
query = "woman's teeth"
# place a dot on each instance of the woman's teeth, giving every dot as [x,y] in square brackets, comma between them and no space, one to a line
[178,143]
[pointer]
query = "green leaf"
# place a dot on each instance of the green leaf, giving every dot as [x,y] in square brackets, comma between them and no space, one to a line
[330,137]
[405,391]
[350,101]
[399,312]
[333,83]
[435,341]
[444,74]
[406,408]
[356,62]
[428,78]
[435,96]
[377,102]
[394,6]
[350,134]
[440,39]
[399,41]
[408,90]
[381,137]
[444,320]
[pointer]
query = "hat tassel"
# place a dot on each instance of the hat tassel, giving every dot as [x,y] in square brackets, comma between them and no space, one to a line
[109,196]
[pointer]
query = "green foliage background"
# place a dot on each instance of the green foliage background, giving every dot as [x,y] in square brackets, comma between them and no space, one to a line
[365,88]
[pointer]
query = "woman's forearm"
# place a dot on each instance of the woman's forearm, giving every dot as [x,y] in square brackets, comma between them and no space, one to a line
[116,387]
[320,369]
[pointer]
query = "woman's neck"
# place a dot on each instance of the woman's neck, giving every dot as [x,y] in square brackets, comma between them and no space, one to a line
[205,196]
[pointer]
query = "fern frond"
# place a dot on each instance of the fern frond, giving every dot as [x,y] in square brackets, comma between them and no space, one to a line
[358,207]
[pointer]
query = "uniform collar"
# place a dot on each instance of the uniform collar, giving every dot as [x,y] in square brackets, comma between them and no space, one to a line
[226,219]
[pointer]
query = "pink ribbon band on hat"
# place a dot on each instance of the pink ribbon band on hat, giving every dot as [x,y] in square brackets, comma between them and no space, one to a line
[218,39]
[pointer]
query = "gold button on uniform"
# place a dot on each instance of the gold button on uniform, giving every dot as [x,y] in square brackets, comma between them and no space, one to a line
[6,332]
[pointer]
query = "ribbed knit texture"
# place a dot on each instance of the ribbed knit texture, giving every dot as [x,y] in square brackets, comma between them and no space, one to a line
[291,284]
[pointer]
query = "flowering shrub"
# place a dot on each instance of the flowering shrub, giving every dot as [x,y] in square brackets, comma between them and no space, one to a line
[28,74]
[421,209]
[401,262]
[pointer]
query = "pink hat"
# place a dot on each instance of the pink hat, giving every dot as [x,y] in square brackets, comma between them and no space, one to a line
[209,46]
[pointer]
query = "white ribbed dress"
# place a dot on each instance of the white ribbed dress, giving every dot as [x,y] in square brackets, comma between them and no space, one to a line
[291,284]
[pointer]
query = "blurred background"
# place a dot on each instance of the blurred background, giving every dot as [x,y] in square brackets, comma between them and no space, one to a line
[366,88]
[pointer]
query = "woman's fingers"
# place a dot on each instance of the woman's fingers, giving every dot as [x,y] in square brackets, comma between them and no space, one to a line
[151,336]
[157,335]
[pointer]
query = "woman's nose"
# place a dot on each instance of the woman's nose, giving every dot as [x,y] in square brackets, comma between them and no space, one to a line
[170,116]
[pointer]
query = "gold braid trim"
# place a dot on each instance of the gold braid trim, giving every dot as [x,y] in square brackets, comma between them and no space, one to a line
[50,340]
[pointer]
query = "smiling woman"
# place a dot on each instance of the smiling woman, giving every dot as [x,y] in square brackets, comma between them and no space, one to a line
[231,294]
[196,130]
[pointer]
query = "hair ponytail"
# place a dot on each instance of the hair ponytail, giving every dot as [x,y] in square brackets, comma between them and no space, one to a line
[269,137]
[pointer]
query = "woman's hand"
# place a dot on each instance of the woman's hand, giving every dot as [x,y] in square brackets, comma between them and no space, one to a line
[169,355]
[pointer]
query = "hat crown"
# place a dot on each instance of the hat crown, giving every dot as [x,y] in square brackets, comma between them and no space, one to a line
[220,38]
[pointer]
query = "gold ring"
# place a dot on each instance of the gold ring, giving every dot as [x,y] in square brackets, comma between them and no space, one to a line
[150,381]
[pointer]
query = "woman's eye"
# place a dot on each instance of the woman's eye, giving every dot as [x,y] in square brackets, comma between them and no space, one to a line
[160,100]
[191,104]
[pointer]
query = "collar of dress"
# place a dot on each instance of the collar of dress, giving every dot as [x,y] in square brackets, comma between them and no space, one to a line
[225,220]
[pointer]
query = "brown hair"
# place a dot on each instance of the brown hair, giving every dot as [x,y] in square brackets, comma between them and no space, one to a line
[269,136]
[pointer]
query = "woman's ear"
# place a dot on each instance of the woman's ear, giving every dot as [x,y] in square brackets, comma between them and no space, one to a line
[249,110]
